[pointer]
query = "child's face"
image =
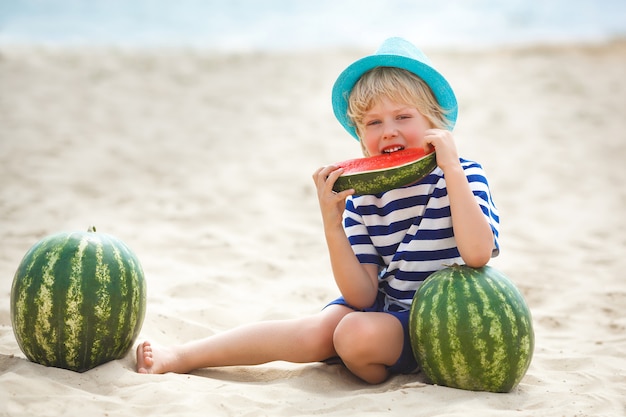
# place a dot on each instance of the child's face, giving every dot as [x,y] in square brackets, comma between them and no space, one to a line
[390,126]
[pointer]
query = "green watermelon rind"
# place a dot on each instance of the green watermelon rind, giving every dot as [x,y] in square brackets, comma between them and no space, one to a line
[78,300]
[471,329]
[376,181]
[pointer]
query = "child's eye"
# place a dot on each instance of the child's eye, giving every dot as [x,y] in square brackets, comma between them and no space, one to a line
[372,122]
[404,116]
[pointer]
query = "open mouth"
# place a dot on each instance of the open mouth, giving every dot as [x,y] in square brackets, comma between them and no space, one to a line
[392,149]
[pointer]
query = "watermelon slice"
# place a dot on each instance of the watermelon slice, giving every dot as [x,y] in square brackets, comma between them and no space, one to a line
[380,173]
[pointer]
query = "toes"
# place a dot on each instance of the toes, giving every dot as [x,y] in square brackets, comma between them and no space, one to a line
[144,358]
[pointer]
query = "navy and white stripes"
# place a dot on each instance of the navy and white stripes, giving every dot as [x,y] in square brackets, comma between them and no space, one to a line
[408,233]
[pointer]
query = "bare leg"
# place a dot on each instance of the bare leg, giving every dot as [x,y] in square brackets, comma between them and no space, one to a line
[368,343]
[309,339]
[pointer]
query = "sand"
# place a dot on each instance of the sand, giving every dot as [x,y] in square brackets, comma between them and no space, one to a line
[202,163]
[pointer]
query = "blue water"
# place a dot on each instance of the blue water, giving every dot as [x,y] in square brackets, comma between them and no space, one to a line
[298,24]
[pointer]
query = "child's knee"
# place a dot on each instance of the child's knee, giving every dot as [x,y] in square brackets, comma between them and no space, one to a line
[352,334]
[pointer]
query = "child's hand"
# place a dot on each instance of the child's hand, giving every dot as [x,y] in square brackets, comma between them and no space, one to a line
[332,204]
[443,142]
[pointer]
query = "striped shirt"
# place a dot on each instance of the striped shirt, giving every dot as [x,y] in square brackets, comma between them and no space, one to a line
[408,232]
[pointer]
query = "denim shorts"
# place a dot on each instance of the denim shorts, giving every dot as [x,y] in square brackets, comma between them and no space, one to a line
[406,364]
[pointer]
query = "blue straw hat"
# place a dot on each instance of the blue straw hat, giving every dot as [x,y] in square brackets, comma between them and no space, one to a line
[399,53]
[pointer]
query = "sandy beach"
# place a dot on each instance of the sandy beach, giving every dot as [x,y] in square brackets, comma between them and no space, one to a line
[202,163]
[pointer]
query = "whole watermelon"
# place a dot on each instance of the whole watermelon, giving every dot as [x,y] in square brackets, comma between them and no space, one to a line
[78,300]
[471,329]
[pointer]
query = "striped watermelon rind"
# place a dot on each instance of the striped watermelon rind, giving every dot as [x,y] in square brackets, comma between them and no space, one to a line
[471,329]
[380,173]
[78,300]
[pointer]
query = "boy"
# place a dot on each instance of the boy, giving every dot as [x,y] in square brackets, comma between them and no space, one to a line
[381,246]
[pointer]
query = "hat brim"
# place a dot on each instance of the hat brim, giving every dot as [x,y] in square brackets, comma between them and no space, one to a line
[347,79]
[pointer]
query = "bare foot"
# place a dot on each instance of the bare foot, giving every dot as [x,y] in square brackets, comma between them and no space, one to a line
[153,359]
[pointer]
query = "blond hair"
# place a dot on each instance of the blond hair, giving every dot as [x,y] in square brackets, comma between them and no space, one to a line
[398,85]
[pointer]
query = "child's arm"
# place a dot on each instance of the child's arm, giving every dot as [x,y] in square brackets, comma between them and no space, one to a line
[472,231]
[357,282]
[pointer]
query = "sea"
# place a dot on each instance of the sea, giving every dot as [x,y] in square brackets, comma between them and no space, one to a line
[288,25]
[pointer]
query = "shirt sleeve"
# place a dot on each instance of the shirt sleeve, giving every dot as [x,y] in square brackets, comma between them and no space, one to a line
[480,188]
[359,237]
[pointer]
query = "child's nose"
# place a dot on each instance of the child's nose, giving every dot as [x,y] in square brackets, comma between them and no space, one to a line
[390,131]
